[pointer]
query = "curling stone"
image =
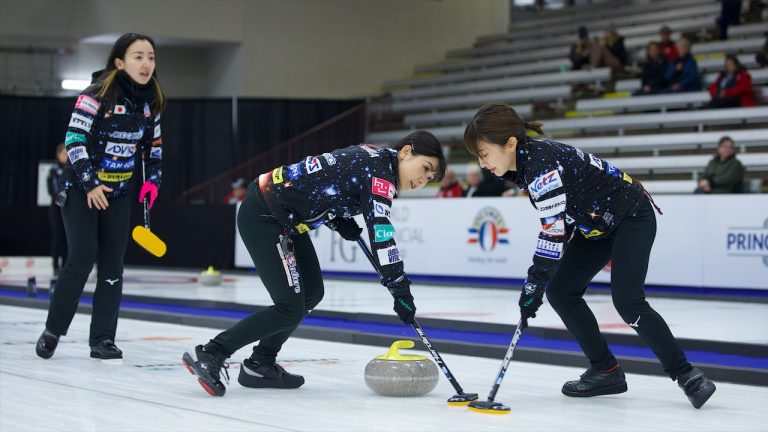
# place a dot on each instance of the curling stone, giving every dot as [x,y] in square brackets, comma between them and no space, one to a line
[210,277]
[395,374]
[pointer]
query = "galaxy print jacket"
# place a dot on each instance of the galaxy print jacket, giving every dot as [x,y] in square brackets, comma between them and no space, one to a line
[343,183]
[104,141]
[575,193]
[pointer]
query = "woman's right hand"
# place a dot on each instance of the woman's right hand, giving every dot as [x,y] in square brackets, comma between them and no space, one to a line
[97,199]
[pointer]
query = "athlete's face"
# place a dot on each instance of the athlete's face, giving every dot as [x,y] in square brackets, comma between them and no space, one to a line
[139,61]
[496,158]
[414,171]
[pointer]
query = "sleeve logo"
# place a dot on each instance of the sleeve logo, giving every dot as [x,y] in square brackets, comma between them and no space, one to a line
[313,165]
[389,256]
[553,226]
[383,233]
[158,132]
[87,104]
[78,121]
[548,249]
[595,161]
[120,150]
[548,182]
[156,153]
[551,206]
[383,188]
[381,210]
[119,109]
[77,153]
[74,138]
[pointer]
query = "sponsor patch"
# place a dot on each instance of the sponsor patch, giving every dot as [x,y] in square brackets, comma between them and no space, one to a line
[553,226]
[383,233]
[121,150]
[126,135]
[74,138]
[86,176]
[612,170]
[156,153]
[78,121]
[548,249]
[277,175]
[119,109]
[383,188]
[294,171]
[389,256]
[330,159]
[529,288]
[569,220]
[551,206]
[313,165]
[608,218]
[580,153]
[627,178]
[302,228]
[114,176]
[381,210]
[147,112]
[77,153]
[157,143]
[595,161]
[548,182]
[117,164]
[589,232]
[87,104]
[158,132]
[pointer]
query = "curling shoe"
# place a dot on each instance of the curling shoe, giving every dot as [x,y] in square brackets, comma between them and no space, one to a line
[207,367]
[106,350]
[46,345]
[696,386]
[597,383]
[256,375]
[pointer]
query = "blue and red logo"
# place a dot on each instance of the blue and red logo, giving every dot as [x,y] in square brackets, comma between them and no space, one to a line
[488,229]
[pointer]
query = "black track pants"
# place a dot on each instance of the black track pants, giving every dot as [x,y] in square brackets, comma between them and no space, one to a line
[274,324]
[93,236]
[628,248]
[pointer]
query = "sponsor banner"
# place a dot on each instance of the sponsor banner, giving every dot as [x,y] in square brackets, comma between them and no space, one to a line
[723,246]
[77,153]
[548,182]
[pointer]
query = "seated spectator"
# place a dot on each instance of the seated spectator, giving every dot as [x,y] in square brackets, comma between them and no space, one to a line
[580,50]
[733,86]
[490,186]
[237,194]
[762,57]
[667,45]
[683,73]
[449,187]
[474,177]
[654,71]
[612,52]
[724,173]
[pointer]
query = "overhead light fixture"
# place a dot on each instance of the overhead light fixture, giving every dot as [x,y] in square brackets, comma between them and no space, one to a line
[73,84]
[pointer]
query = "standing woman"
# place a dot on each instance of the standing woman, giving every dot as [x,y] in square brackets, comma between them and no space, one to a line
[591,212]
[115,121]
[279,210]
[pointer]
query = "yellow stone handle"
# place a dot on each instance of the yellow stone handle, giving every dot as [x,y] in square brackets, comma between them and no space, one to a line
[211,271]
[394,353]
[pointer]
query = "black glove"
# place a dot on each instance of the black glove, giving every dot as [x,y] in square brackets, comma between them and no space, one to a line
[404,308]
[347,228]
[530,300]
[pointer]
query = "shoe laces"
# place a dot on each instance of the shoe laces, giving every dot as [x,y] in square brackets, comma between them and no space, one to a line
[220,365]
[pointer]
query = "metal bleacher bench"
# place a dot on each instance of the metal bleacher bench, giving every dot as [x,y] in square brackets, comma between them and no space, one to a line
[660,102]
[455,116]
[553,93]
[618,123]
[759,76]
[596,76]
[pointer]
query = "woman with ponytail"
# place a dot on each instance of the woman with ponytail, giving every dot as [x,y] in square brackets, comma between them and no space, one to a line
[115,121]
[591,212]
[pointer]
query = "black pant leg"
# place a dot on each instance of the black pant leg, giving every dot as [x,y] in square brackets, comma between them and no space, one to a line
[260,233]
[58,238]
[80,224]
[581,261]
[113,229]
[632,245]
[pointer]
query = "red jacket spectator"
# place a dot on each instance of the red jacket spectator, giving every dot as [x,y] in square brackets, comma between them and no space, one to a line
[741,88]
[453,190]
[667,45]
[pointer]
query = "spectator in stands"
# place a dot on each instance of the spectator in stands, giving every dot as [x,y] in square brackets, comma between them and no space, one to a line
[57,189]
[683,73]
[762,57]
[730,14]
[724,173]
[449,187]
[580,50]
[474,177]
[483,184]
[237,194]
[733,86]
[667,45]
[610,51]
[654,72]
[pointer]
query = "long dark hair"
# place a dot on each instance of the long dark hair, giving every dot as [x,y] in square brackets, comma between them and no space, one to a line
[424,143]
[106,81]
[496,123]
[735,60]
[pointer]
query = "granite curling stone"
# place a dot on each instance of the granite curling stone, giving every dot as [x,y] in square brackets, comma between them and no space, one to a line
[395,374]
[210,277]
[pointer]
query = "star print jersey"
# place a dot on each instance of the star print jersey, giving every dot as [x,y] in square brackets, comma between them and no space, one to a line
[104,141]
[575,193]
[344,183]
